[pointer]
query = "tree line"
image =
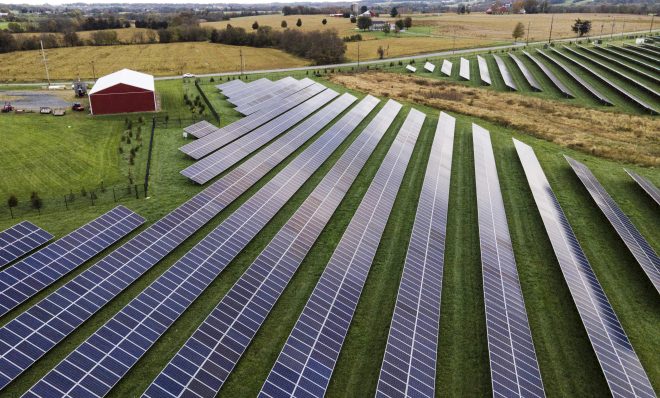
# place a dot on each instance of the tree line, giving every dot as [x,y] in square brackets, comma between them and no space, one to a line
[64,24]
[322,47]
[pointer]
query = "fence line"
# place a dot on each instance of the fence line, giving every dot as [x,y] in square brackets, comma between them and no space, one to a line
[206,100]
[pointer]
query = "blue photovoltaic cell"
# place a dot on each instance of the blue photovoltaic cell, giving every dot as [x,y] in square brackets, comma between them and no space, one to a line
[213,165]
[621,366]
[409,364]
[555,81]
[217,345]
[613,60]
[240,92]
[138,325]
[223,136]
[38,271]
[646,185]
[27,337]
[272,99]
[514,369]
[639,247]
[609,82]
[20,239]
[595,93]
[200,129]
[526,72]
[483,70]
[306,362]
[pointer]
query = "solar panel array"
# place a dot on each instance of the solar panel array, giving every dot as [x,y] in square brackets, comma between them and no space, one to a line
[640,85]
[208,357]
[644,51]
[621,366]
[216,140]
[548,73]
[230,85]
[38,271]
[306,362]
[262,84]
[232,91]
[646,185]
[446,67]
[638,246]
[634,53]
[200,129]
[651,49]
[504,71]
[211,166]
[409,364]
[628,58]
[514,368]
[526,73]
[272,98]
[620,64]
[464,70]
[27,337]
[595,93]
[258,93]
[117,346]
[483,70]
[608,82]
[20,239]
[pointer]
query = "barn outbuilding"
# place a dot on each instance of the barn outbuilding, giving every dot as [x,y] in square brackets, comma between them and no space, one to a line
[123,91]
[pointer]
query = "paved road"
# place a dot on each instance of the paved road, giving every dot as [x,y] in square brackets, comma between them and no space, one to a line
[370,62]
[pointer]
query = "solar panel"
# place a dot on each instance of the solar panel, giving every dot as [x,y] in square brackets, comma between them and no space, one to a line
[651,55]
[200,129]
[232,91]
[273,98]
[446,68]
[257,94]
[411,68]
[38,271]
[621,366]
[653,50]
[646,185]
[429,67]
[514,368]
[526,72]
[257,85]
[117,346]
[638,246]
[620,64]
[464,71]
[211,166]
[26,338]
[615,72]
[245,307]
[409,364]
[230,84]
[608,82]
[20,239]
[216,140]
[632,52]
[483,70]
[555,81]
[595,93]
[306,362]
[628,58]
[504,71]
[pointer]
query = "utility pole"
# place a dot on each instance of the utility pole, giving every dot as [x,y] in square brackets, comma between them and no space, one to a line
[241,52]
[453,45]
[358,56]
[93,71]
[612,32]
[551,23]
[651,28]
[527,39]
[601,30]
[623,30]
[43,57]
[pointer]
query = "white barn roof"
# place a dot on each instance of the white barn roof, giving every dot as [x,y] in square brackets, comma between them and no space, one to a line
[124,76]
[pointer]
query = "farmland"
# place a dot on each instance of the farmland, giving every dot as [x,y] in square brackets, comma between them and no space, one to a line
[156,59]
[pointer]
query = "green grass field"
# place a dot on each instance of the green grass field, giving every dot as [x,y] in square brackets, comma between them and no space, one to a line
[568,365]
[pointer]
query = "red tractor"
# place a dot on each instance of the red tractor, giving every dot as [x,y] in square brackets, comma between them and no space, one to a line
[77,107]
[7,108]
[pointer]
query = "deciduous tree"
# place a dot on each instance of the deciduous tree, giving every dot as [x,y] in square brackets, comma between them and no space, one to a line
[518,31]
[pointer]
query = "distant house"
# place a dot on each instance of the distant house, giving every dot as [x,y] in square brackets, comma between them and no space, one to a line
[122,92]
[368,13]
[380,25]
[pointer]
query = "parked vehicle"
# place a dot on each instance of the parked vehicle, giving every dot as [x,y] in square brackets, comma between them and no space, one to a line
[188,75]
[77,107]
[7,108]
[44,110]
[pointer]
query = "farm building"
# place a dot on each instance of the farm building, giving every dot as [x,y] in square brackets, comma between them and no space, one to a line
[123,91]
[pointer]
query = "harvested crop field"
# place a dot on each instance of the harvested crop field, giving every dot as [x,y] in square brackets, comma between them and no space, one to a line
[621,137]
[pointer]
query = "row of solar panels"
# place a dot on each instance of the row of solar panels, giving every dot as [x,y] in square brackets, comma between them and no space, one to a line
[589,55]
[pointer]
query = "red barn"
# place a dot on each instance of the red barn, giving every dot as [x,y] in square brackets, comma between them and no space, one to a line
[122,92]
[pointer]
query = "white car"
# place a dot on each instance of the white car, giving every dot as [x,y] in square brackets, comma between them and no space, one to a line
[187,75]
